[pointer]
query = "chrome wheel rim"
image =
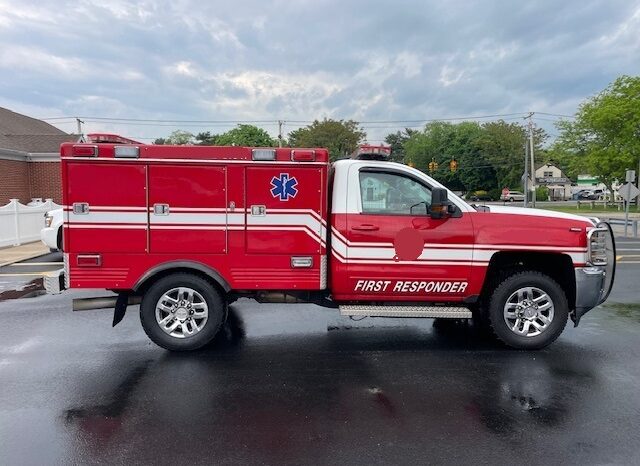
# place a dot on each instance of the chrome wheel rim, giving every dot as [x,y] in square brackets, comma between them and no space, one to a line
[182,312]
[529,311]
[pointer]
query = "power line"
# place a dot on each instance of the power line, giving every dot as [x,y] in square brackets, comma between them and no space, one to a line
[179,121]
[555,114]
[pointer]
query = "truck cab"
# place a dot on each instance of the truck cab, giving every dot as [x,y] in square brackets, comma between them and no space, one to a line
[185,230]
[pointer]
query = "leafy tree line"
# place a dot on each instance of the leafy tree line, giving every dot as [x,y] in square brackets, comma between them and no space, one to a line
[341,137]
[604,137]
[489,156]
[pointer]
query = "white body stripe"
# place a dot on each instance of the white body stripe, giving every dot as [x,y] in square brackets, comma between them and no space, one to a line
[300,220]
[108,217]
[177,218]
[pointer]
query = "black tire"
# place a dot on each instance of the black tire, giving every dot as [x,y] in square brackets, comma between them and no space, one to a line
[59,240]
[508,287]
[217,312]
[511,199]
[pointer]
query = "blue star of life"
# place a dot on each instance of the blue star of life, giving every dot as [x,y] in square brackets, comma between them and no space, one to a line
[284,187]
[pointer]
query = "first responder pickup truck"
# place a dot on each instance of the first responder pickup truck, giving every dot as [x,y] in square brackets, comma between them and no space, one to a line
[185,230]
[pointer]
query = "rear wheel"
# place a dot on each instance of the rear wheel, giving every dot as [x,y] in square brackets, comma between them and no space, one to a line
[528,310]
[182,312]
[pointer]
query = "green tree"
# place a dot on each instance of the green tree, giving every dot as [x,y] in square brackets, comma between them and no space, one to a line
[178,138]
[502,146]
[340,137]
[396,141]
[604,138]
[443,142]
[205,138]
[244,135]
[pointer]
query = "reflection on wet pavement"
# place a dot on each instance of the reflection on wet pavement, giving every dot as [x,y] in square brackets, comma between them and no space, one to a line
[276,388]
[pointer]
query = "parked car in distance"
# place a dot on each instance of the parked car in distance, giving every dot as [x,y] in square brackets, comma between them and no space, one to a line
[480,197]
[51,234]
[512,196]
[582,194]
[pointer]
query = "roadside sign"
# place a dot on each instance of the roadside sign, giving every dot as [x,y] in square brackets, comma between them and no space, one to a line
[628,191]
[505,191]
[630,176]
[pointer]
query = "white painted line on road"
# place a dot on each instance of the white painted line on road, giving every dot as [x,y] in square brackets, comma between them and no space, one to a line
[627,249]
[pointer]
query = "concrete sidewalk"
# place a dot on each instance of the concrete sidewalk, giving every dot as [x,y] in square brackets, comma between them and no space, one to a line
[22,252]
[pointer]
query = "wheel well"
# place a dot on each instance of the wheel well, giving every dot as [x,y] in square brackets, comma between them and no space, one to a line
[154,275]
[557,266]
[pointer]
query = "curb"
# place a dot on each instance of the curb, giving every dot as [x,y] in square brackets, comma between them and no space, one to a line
[22,258]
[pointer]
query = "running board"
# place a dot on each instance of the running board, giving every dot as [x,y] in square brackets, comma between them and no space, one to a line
[440,312]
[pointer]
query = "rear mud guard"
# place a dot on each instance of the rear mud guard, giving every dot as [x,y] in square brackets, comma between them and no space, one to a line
[121,307]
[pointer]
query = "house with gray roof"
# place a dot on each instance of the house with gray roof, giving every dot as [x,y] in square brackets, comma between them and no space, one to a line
[29,158]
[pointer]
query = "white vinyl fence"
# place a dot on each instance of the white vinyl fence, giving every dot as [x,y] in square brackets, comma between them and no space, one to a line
[21,223]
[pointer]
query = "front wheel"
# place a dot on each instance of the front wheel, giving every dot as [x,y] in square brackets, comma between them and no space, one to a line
[528,310]
[182,312]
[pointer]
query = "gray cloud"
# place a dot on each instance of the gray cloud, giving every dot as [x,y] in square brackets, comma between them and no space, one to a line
[309,59]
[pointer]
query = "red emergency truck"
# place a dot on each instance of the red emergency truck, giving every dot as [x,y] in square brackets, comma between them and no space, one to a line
[185,230]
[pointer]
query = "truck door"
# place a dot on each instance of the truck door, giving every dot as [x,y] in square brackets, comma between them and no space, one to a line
[395,249]
[187,209]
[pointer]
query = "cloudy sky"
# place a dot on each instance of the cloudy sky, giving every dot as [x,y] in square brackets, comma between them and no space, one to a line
[300,60]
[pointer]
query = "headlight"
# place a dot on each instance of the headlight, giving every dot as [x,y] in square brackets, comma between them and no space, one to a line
[47,220]
[597,243]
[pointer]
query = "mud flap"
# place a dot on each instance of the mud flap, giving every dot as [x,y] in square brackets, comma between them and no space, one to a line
[121,307]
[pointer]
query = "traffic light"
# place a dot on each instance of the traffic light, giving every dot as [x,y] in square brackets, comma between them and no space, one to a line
[433,165]
[453,165]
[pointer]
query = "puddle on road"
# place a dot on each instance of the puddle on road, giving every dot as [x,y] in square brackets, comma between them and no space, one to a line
[33,288]
[628,310]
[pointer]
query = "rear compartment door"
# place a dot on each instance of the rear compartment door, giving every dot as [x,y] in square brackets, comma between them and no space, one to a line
[187,209]
[106,207]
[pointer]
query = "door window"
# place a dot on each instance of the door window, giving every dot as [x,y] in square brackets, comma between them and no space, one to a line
[387,193]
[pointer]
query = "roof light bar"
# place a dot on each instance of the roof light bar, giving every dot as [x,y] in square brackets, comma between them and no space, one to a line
[263,154]
[127,152]
[303,155]
[84,151]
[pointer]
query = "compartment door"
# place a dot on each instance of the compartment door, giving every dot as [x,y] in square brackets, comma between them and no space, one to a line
[284,210]
[187,209]
[107,208]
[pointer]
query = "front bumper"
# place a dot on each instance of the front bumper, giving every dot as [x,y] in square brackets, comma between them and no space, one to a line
[594,283]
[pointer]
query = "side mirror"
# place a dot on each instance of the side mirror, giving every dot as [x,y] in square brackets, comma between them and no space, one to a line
[441,207]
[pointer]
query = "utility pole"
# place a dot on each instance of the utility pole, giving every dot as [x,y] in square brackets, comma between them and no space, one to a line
[80,123]
[525,177]
[533,165]
[280,123]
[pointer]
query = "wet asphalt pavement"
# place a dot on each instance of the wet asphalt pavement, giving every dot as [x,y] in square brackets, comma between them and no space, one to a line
[297,384]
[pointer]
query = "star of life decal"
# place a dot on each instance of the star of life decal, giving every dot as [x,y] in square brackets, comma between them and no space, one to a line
[284,187]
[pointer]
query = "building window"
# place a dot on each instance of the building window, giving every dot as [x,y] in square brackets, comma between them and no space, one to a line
[548,174]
